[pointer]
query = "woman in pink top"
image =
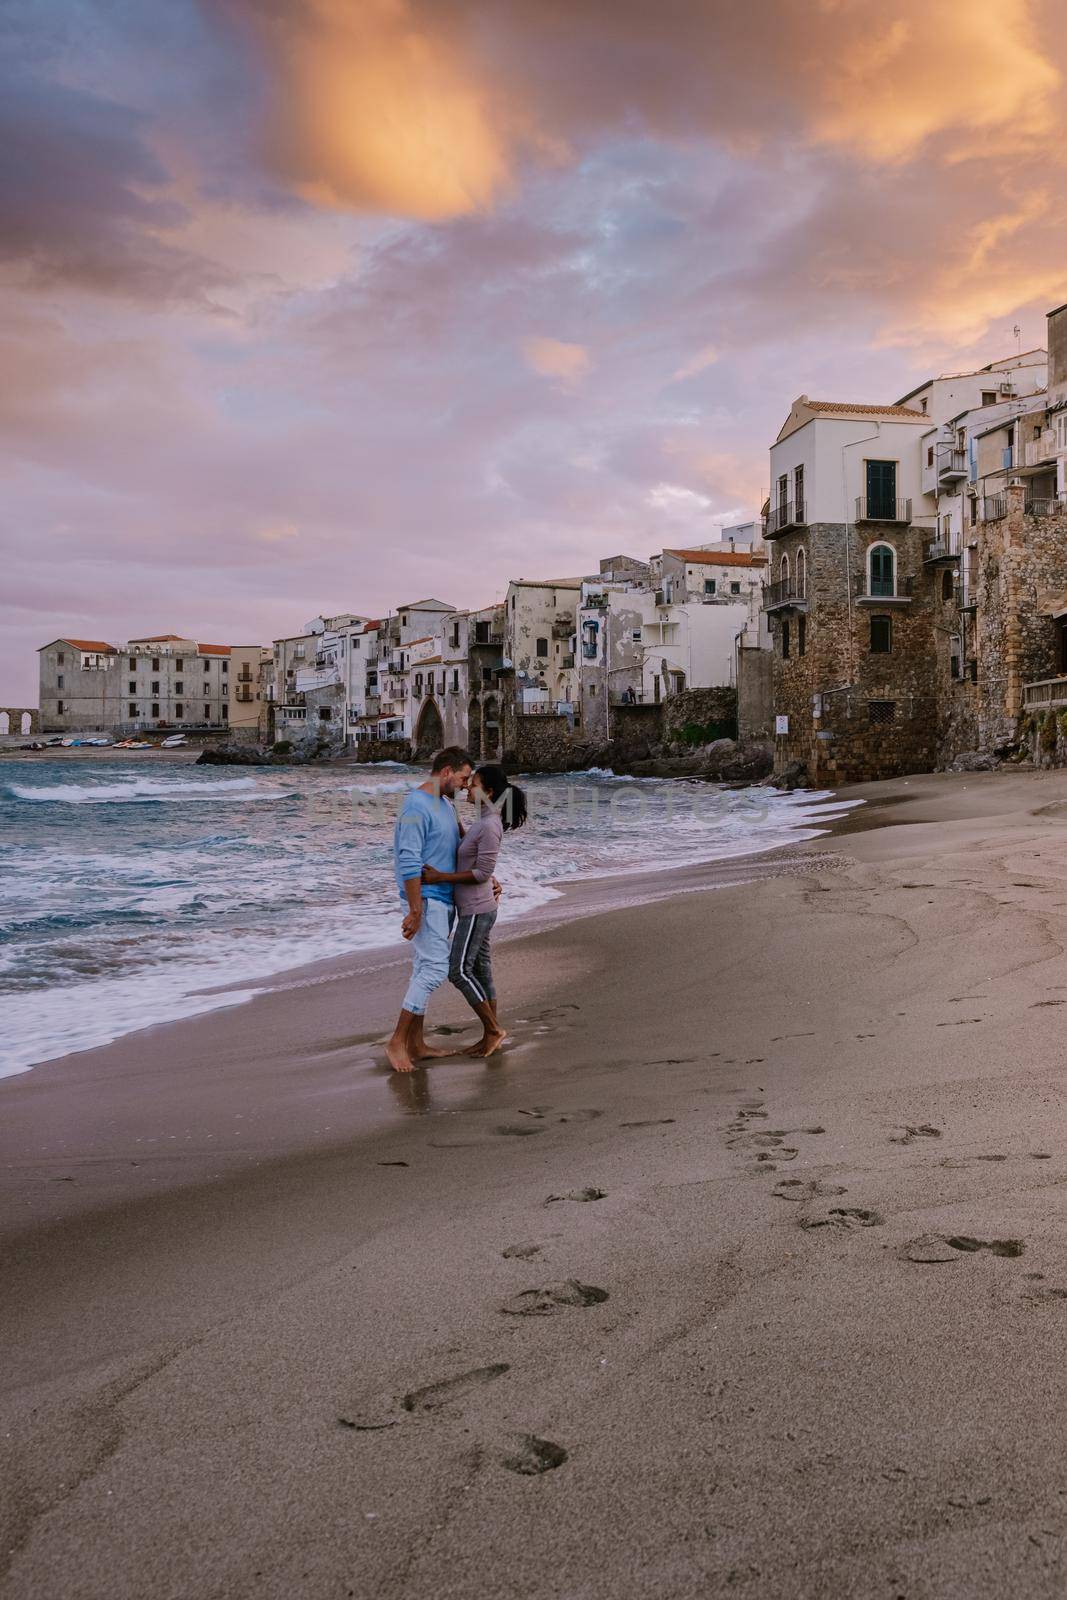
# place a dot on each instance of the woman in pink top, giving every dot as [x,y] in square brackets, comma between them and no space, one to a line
[500,805]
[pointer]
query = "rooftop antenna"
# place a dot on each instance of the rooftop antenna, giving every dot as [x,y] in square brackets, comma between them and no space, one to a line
[1017,331]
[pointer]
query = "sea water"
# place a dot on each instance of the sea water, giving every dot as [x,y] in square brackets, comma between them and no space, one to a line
[133,890]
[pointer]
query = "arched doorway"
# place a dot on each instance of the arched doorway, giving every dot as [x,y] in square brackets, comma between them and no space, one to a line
[5,723]
[27,722]
[429,731]
[491,728]
[474,727]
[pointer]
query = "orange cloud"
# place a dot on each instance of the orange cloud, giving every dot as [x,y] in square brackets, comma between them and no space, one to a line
[553,358]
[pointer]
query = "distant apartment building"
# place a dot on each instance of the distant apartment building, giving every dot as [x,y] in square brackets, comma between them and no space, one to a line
[165,681]
[539,627]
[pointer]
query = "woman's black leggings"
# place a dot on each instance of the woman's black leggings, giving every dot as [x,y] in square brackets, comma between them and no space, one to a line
[470,967]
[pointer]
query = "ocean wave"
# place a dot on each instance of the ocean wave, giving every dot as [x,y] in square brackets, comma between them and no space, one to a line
[143,791]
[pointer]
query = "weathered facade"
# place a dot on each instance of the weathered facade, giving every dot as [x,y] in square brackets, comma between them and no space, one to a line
[164,682]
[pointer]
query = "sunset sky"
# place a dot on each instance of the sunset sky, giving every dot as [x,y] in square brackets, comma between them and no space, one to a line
[330,304]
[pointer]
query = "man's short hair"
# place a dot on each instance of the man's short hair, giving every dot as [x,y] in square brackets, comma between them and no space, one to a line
[451,756]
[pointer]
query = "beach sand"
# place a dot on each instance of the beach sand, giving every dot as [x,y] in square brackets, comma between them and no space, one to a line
[742,1271]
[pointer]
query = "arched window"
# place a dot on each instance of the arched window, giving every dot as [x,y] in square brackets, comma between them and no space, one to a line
[783,573]
[802,575]
[882,570]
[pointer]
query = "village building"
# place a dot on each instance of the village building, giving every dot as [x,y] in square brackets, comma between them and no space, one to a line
[164,682]
[539,627]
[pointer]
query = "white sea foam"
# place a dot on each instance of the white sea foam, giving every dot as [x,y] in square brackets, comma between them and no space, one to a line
[144,790]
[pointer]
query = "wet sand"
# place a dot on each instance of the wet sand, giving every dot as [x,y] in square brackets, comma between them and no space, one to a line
[742,1271]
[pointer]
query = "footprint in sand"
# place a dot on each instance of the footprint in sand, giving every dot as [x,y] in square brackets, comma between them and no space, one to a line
[552,1298]
[436,1395]
[528,1455]
[578,1194]
[912,1131]
[517,1130]
[932,1248]
[841,1217]
[798,1190]
[651,1122]
[521,1252]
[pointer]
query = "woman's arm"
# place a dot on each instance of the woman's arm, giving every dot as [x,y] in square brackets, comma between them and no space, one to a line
[431,875]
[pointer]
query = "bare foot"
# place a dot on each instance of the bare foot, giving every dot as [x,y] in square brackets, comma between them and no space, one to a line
[398,1056]
[488,1045]
[427,1052]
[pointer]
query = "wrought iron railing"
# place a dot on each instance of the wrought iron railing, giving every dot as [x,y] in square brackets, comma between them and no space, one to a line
[876,508]
[785,593]
[994,506]
[786,514]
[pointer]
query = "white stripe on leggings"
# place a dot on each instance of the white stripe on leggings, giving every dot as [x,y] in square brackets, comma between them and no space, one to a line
[479,991]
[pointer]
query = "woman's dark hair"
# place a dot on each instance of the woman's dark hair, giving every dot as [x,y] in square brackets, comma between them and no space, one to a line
[507,798]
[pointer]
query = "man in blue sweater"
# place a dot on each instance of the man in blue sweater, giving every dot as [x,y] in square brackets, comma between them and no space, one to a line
[426,835]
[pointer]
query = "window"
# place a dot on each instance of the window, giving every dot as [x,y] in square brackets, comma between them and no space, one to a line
[802,634]
[592,689]
[179,710]
[929,455]
[225,666]
[133,663]
[735,588]
[513,602]
[881,636]
[155,663]
[455,680]
[179,664]
[133,711]
[155,710]
[798,492]
[207,664]
[881,560]
[133,685]
[946,585]
[924,404]
[881,711]
[179,688]
[542,647]
[59,681]
[59,707]
[989,397]
[60,657]
[709,585]
[636,635]
[207,713]
[357,644]
[785,639]
[404,620]
[155,687]
[226,713]
[455,636]
[783,490]
[802,575]
[783,570]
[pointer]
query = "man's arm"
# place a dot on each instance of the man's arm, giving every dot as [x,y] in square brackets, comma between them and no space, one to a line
[413,920]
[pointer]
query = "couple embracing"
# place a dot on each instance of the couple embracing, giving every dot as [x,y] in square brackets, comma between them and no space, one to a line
[445,872]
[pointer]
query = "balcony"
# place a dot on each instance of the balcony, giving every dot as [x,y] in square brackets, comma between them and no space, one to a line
[1040,452]
[879,509]
[1045,693]
[564,629]
[951,464]
[939,553]
[880,594]
[784,517]
[566,663]
[309,678]
[994,506]
[964,598]
[1043,507]
[785,596]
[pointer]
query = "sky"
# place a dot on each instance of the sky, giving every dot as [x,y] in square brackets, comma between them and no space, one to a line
[327,305]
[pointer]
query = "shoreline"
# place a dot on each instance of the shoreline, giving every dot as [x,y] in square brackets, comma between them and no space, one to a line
[823,1112]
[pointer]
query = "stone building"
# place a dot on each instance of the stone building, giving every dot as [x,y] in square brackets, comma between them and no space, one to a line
[164,682]
[539,626]
[853,607]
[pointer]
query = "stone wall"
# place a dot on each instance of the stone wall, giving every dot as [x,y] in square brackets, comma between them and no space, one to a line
[540,743]
[11,722]
[713,711]
[755,694]
[381,750]
[634,730]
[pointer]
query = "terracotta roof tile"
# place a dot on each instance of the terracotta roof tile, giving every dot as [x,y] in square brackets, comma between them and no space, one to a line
[719,558]
[96,645]
[213,649]
[849,409]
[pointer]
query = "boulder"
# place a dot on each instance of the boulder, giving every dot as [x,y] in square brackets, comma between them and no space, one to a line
[973,761]
[794,775]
